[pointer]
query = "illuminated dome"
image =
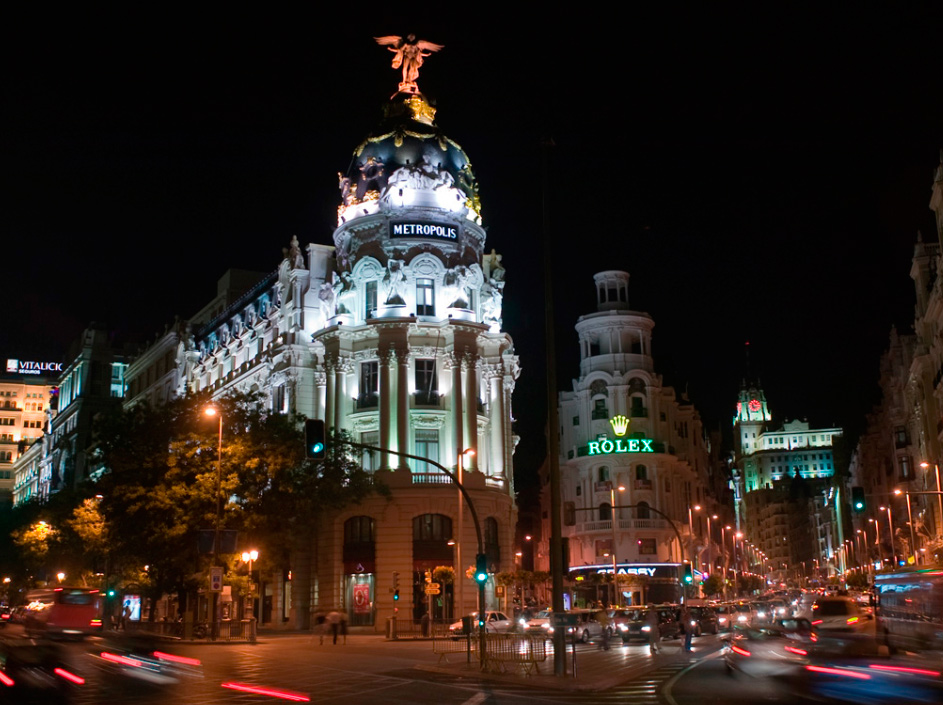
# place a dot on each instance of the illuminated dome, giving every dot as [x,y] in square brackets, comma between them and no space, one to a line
[408,163]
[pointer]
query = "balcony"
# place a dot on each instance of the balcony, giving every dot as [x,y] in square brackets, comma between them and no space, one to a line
[430,398]
[370,400]
[643,484]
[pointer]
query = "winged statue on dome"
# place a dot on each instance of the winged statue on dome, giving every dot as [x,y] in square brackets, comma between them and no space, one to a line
[408,53]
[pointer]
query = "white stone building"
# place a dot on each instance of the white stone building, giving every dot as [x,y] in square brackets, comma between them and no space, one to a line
[621,427]
[393,334]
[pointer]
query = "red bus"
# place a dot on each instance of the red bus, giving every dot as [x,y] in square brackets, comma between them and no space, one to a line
[64,612]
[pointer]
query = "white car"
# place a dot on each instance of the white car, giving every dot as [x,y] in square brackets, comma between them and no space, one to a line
[495,623]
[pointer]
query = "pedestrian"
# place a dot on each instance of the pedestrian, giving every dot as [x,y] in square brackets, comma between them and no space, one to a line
[602,616]
[344,626]
[334,620]
[320,625]
[687,626]
[653,628]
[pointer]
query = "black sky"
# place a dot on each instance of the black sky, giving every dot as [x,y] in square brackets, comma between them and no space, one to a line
[762,177]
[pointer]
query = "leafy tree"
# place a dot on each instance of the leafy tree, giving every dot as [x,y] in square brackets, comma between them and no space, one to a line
[167,478]
[713,585]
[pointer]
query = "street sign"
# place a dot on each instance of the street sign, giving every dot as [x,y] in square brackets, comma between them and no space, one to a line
[435,586]
[432,590]
[216,579]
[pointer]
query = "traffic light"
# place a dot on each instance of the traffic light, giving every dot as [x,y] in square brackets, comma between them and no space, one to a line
[481,568]
[314,439]
[395,586]
[688,574]
[857,499]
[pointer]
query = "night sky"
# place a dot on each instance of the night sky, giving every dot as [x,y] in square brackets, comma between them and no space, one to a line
[762,177]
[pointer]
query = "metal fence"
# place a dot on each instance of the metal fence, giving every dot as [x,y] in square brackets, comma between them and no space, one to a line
[400,628]
[504,653]
[228,629]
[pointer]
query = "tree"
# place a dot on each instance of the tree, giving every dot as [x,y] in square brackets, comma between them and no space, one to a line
[167,479]
[712,585]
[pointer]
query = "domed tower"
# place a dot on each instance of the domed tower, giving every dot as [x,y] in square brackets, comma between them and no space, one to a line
[412,358]
[627,442]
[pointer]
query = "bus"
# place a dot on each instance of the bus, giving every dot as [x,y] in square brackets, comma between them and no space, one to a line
[65,612]
[909,608]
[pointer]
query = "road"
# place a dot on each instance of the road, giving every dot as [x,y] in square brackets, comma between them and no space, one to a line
[368,669]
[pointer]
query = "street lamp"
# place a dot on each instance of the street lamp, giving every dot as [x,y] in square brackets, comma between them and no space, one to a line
[939,497]
[248,557]
[458,543]
[60,577]
[612,503]
[890,524]
[213,411]
[691,510]
[910,521]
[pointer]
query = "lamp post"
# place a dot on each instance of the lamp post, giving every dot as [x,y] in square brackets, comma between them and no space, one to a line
[910,521]
[460,597]
[939,497]
[736,536]
[710,545]
[890,524]
[248,557]
[612,500]
[695,508]
[877,539]
[723,543]
[213,411]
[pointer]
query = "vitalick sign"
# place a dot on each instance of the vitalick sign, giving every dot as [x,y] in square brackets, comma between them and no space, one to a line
[29,367]
[413,228]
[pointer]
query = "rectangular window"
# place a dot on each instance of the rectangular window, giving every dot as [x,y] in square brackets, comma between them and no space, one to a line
[427,446]
[370,300]
[427,382]
[370,460]
[425,297]
[646,547]
[906,468]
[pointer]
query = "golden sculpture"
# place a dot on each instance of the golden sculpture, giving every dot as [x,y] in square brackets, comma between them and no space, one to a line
[408,55]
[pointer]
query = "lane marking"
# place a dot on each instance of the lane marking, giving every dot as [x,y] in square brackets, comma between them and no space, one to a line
[476,699]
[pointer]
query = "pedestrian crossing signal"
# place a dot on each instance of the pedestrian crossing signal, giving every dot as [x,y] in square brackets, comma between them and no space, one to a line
[314,439]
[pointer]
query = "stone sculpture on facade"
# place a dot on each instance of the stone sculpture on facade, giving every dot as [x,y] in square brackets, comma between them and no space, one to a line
[344,292]
[394,282]
[455,284]
[372,174]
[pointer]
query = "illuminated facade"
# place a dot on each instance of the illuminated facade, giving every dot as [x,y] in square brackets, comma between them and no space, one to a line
[394,335]
[622,428]
[26,391]
[783,484]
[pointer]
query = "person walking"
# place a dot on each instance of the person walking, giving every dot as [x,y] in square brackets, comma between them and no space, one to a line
[602,616]
[334,620]
[654,633]
[687,626]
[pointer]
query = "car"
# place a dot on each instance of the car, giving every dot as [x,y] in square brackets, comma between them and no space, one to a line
[538,624]
[763,613]
[633,626]
[779,650]
[726,616]
[6,615]
[705,621]
[495,623]
[34,671]
[587,627]
[839,614]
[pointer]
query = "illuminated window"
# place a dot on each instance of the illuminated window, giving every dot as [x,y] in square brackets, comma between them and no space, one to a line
[646,547]
[427,446]
[425,297]
[370,300]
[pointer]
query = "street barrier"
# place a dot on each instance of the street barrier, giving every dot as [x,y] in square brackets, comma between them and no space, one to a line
[506,653]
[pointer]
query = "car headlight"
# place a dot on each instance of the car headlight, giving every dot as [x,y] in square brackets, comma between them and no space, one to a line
[741,618]
[693,623]
[761,615]
[522,622]
[646,628]
[622,627]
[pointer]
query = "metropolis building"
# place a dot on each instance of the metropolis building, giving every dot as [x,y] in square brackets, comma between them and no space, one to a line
[627,441]
[394,335]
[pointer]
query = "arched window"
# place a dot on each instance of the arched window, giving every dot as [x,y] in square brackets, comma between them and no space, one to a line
[643,511]
[431,536]
[641,472]
[605,512]
[358,530]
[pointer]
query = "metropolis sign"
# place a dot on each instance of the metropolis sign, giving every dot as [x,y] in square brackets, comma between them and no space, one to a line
[30,367]
[419,228]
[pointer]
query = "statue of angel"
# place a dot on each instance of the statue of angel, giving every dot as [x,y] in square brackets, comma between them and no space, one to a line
[408,54]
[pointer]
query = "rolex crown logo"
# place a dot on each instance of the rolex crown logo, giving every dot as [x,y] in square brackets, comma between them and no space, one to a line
[620,424]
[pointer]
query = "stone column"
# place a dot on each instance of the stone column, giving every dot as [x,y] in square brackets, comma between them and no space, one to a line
[455,361]
[330,363]
[402,406]
[386,405]
[496,394]
[320,387]
[470,365]
[344,366]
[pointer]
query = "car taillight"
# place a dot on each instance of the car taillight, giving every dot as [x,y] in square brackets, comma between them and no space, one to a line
[852,620]
[95,623]
[818,621]
[738,650]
